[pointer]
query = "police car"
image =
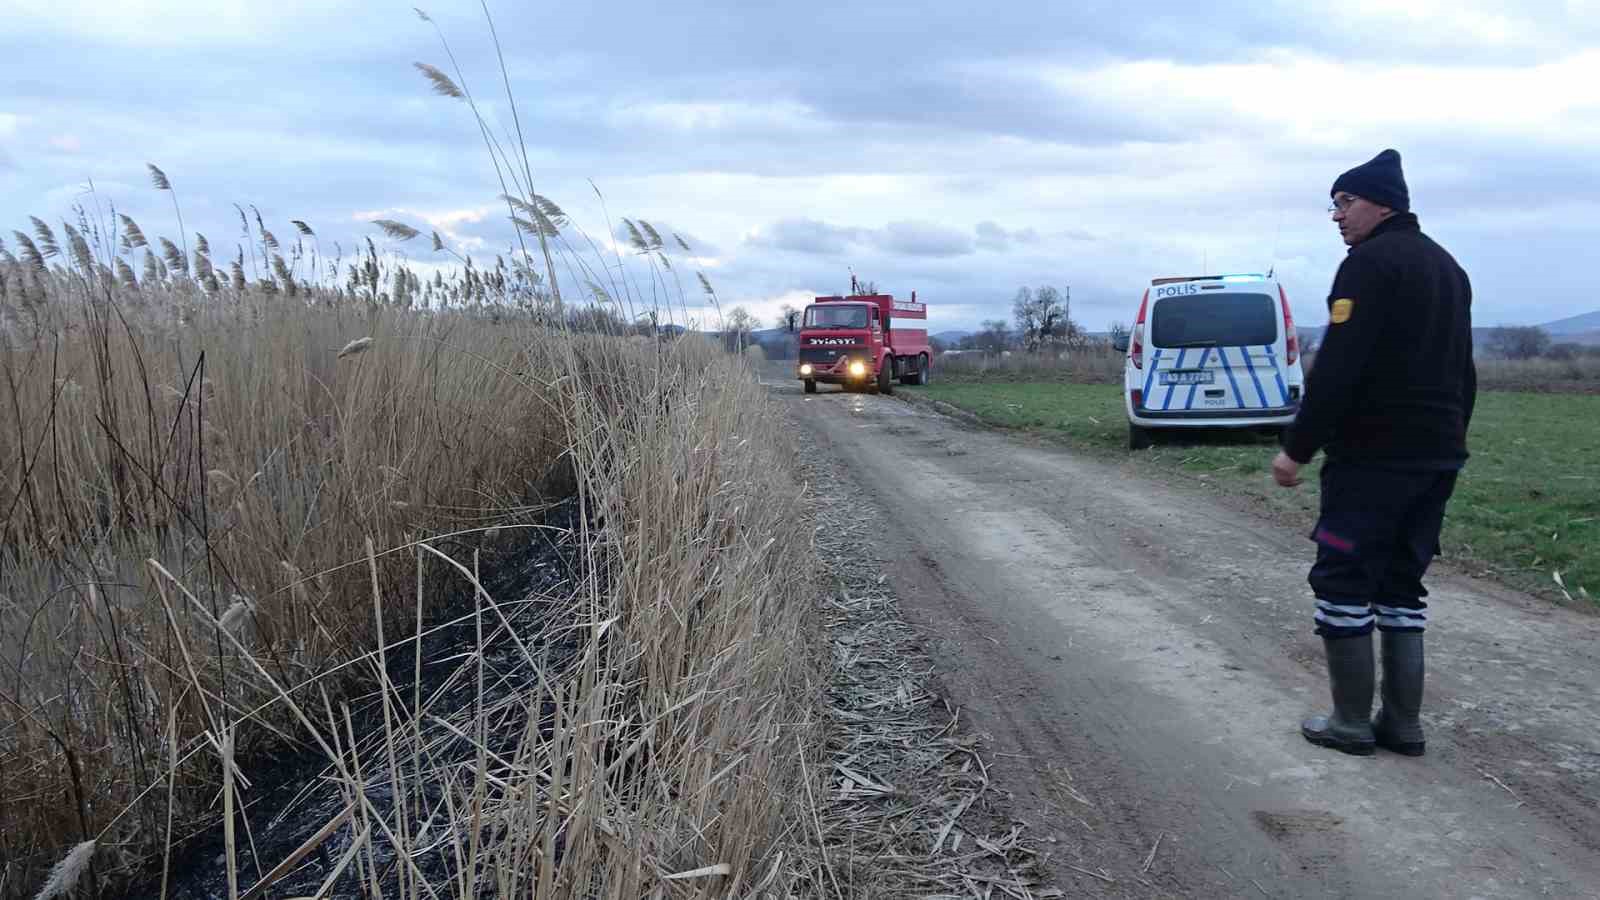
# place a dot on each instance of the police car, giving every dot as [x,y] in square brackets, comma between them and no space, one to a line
[1211,351]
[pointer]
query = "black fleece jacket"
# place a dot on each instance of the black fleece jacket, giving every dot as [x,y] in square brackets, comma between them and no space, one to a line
[1394,382]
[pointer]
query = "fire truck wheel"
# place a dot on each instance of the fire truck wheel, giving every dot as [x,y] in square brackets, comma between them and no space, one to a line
[811,385]
[886,376]
[920,376]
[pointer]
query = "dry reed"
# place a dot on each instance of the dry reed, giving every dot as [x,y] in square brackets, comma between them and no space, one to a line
[200,468]
[234,444]
[239,445]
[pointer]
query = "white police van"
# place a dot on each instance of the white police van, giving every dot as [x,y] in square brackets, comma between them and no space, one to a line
[1211,351]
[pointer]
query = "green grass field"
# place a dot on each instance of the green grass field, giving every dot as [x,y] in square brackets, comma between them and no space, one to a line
[1527,505]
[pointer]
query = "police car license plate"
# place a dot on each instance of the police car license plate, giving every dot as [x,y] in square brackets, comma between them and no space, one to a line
[1188,376]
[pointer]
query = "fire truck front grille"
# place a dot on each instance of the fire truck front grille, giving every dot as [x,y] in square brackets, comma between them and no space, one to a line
[825,356]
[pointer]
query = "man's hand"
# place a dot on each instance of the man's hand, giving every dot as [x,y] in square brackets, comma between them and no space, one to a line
[1285,471]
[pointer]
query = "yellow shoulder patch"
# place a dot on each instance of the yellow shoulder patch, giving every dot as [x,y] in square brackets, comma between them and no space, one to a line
[1339,313]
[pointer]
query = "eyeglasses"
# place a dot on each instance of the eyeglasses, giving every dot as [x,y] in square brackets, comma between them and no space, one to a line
[1342,203]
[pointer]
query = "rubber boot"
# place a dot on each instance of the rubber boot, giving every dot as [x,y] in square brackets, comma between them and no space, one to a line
[1398,727]
[1348,728]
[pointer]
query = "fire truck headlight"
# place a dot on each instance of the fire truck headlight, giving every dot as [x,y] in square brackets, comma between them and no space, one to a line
[858,368]
[805,369]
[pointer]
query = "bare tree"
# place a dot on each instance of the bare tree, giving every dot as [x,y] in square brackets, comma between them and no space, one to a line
[1044,317]
[596,319]
[1025,309]
[1519,341]
[994,336]
[1036,316]
[737,327]
[788,318]
[647,324]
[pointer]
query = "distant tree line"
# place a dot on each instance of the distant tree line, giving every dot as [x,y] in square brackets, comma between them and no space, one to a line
[1041,321]
[1532,342]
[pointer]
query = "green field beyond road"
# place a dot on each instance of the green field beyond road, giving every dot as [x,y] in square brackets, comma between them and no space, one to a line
[1527,505]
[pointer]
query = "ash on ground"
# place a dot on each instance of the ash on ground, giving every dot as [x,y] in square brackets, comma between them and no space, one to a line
[530,577]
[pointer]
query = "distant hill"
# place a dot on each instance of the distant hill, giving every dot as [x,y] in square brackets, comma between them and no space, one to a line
[1584,329]
[1480,336]
[1576,325]
[1587,338]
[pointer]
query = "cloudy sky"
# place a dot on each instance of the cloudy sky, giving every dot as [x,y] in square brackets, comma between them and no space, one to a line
[955,148]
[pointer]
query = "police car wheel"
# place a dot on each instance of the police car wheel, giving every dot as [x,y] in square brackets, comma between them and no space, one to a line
[1139,438]
[811,385]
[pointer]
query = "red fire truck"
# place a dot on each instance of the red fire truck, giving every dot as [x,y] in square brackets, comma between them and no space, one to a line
[864,341]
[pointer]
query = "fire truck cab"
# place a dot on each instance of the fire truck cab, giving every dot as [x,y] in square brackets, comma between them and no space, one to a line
[864,341]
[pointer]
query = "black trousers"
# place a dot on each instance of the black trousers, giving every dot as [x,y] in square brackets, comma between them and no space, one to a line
[1376,536]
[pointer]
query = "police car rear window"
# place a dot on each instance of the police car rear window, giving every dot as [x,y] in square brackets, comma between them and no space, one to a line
[1214,319]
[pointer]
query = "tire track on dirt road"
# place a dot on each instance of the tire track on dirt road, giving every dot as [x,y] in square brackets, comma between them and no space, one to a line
[1140,656]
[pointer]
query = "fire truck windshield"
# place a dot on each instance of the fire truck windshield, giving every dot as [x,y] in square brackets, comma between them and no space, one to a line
[836,315]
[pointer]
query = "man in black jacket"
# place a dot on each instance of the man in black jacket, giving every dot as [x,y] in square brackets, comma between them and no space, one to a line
[1388,401]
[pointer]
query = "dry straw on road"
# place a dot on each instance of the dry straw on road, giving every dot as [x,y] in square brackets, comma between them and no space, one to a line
[910,810]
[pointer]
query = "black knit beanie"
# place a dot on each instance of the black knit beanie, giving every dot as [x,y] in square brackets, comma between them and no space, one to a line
[1379,180]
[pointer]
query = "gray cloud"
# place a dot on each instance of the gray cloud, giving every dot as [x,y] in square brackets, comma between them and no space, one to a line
[900,238]
[786,143]
[861,42]
[992,237]
[937,100]
[807,236]
[923,239]
[1466,171]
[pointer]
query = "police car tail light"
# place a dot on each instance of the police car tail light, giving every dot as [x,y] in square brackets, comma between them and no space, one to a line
[1290,336]
[1136,344]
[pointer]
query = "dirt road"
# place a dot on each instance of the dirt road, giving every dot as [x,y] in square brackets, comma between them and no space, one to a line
[1140,657]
